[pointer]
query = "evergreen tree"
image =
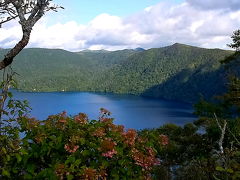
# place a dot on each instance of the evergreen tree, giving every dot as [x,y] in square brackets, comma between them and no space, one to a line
[221,119]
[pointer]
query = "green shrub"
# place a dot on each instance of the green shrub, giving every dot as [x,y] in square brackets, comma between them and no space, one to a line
[65,147]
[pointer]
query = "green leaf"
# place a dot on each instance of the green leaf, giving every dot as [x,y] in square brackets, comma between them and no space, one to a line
[82,141]
[70,177]
[230,171]
[31,168]
[10,104]
[4,150]
[77,162]
[5,173]
[19,158]
[105,164]
[10,94]
[14,170]
[237,153]
[71,159]
[86,153]
[23,151]
[8,157]
[115,174]
[121,162]
[20,113]
[218,168]
[28,176]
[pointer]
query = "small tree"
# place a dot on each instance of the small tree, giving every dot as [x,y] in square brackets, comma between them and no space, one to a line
[236,40]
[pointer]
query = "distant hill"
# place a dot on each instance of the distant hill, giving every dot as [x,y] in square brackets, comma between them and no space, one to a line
[139,49]
[179,72]
[92,51]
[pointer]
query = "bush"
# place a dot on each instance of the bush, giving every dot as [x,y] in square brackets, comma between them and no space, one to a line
[65,147]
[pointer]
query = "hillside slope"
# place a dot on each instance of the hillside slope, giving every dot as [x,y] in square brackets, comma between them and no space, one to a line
[177,72]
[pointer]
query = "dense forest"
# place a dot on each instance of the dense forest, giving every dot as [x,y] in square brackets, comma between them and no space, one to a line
[179,72]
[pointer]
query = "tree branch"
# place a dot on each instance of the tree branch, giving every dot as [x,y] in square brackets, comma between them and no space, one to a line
[36,9]
[8,59]
[223,130]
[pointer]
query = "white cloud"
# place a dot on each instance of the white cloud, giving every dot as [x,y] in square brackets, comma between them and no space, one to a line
[56,36]
[9,35]
[163,24]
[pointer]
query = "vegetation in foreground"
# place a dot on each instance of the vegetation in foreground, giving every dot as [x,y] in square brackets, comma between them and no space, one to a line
[64,147]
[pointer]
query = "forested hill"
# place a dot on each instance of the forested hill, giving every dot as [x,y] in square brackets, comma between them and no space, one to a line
[177,72]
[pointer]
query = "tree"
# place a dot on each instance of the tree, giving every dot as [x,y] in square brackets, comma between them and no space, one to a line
[236,40]
[235,45]
[28,12]
[221,119]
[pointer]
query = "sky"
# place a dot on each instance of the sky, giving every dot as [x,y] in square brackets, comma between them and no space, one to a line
[128,24]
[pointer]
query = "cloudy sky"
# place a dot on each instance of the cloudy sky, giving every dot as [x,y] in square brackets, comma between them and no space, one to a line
[120,24]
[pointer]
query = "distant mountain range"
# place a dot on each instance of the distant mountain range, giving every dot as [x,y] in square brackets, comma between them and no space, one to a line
[178,72]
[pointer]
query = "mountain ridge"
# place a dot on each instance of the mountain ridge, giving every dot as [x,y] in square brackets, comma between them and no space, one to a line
[169,72]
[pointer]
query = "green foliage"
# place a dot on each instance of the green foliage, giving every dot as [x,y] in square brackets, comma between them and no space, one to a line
[236,40]
[154,72]
[225,111]
[64,147]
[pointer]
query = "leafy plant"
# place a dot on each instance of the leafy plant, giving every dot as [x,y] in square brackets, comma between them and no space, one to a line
[75,147]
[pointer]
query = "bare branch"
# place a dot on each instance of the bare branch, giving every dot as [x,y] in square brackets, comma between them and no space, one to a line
[8,19]
[223,130]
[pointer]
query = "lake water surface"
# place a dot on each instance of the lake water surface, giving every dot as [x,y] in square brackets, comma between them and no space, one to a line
[130,111]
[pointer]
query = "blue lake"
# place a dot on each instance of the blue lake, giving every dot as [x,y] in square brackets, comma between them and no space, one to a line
[130,111]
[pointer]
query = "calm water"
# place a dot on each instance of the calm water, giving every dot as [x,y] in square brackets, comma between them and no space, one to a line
[130,111]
